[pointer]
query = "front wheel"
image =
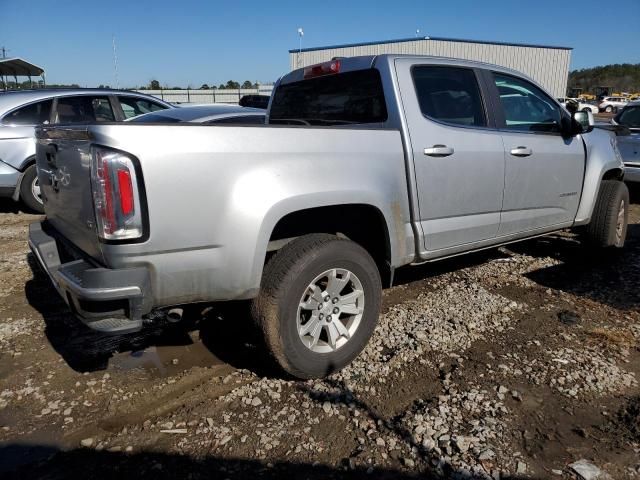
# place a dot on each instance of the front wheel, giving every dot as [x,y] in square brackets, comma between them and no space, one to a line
[608,226]
[318,304]
[30,190]
[608,109]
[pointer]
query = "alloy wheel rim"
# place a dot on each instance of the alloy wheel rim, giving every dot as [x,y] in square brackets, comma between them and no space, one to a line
[620,223]
[330,310]
[35,190]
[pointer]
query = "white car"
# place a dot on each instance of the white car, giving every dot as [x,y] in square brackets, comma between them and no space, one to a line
[582,106]
[587,107]
[612,104]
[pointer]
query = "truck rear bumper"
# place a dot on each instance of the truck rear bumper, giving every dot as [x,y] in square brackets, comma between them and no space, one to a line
[108,300]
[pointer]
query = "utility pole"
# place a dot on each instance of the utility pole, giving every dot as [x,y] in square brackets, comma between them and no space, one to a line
[4,52]
[300,35]
[115,62]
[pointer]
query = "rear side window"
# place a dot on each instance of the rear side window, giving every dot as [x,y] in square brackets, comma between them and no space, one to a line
[526,107]
[33,114]
[133,106]
[84,109]
[449,94]
[344,98]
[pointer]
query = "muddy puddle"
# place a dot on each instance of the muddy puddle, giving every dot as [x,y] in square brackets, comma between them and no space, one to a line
[161,361]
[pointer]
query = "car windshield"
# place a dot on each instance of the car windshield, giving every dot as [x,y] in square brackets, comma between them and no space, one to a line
[630,117]
[155,118]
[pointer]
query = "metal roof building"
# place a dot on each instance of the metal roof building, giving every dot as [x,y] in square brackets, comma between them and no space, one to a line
[548,65]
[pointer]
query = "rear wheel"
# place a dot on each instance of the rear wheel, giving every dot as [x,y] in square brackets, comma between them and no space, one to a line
[30,190]
[608,109]
[318,304]
[608,226]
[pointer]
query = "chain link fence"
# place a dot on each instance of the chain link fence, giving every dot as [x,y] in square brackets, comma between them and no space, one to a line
[226,95]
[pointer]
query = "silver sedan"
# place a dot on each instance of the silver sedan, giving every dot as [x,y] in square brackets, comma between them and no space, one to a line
[206,114]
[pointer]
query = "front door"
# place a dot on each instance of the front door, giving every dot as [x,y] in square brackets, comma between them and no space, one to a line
[458,158]
[544,170]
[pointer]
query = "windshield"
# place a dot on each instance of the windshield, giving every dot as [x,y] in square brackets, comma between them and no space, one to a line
[155,118]
[341,99]
[630,117]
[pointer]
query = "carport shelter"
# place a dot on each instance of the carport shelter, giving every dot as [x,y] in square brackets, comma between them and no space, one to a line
[18,67]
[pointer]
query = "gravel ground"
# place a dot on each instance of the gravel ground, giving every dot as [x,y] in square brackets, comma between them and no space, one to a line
[519,362]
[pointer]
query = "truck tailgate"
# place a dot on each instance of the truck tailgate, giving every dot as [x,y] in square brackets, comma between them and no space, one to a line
[63,158]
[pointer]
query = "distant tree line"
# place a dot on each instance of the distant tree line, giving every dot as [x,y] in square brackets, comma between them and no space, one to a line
[231,84]
[621,77]
[152,85]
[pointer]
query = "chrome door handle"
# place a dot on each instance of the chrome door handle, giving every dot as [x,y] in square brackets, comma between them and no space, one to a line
[521,152]
[438,151]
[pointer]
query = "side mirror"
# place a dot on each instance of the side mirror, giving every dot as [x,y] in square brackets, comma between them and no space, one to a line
[585,120]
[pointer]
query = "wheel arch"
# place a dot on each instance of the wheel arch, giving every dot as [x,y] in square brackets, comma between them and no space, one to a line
[603,162]
[363,220]
[22,169]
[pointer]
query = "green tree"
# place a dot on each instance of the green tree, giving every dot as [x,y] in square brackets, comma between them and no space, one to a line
[154,85]
[204,87]
[247,84]
[620,77]
[232,84]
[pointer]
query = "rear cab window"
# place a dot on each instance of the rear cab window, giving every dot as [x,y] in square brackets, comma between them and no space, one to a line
[347,98]
[32,114]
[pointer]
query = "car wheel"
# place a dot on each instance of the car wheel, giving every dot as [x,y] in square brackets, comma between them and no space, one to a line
[608,109]
[318,304]
[608,226]
[30,190]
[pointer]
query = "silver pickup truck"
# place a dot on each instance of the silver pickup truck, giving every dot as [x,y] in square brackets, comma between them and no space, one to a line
[366,164]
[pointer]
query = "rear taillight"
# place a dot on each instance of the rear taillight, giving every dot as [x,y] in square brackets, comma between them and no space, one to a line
[321,69]
[116,197]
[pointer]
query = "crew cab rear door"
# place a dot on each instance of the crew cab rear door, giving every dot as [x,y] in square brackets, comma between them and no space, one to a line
[458,156]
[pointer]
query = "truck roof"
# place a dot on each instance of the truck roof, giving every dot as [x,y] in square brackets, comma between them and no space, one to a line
[369,61]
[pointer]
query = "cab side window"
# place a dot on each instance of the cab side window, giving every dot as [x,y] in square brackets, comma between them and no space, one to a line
[32,114]
[450,95]
[133,106]
[84,109]
[526,108]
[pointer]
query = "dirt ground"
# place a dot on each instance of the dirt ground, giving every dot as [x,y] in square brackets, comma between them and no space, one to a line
[510,363]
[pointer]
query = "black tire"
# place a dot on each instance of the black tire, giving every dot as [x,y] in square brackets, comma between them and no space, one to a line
[608,109]
[285,280]
[27,197]
[603,231]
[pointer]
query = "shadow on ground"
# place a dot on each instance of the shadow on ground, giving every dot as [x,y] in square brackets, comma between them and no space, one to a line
[225,329]
[7,205]
[608,277]
[52,464]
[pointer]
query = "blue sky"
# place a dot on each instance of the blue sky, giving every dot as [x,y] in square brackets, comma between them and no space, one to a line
[192,42]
